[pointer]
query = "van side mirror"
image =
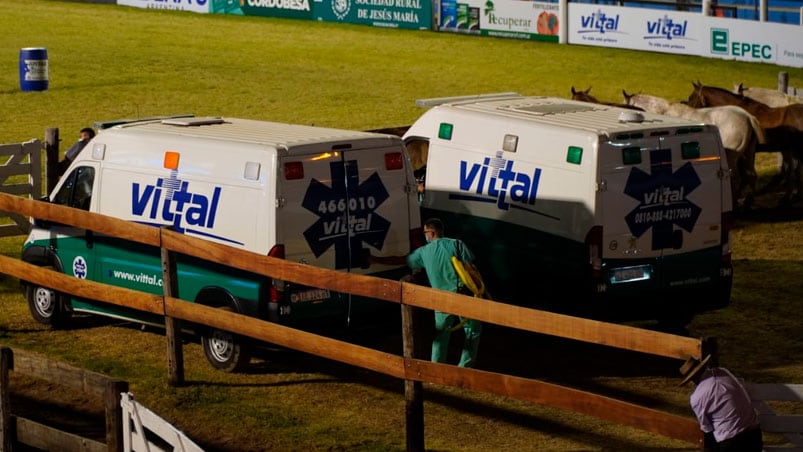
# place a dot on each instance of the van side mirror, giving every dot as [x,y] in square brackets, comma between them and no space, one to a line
[38,222]
[42,224]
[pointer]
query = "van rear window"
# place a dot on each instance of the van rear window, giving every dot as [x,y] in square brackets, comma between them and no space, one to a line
[631,155]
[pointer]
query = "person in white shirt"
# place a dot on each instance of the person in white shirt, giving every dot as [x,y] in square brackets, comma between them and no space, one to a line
[722,407]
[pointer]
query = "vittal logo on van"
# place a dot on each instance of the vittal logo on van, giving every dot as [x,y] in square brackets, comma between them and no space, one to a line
[498,182]
[170,201]
[346,213]
[663,199]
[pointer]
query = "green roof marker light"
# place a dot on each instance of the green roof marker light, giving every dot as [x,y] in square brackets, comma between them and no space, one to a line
[445,131]
[631,156]
[574,155]
[690,150]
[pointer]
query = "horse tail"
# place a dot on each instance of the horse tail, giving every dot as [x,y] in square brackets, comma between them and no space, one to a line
[746,175]
[758,131]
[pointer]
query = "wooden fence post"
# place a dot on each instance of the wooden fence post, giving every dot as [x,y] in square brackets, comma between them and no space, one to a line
[709,346]
[6,429]
[175,353]
[783,81]
[413,390]
[114,414]
[51,159]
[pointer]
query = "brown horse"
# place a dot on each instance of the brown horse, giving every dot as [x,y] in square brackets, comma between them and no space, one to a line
[783,128]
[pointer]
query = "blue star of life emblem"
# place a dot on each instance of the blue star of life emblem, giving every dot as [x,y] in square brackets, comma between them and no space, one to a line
[663,201]
[79,267]
[347,215]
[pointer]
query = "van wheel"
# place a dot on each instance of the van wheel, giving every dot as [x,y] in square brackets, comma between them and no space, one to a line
[225,351]
[47,306]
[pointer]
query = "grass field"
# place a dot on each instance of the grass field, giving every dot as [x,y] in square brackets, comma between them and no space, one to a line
[109,62]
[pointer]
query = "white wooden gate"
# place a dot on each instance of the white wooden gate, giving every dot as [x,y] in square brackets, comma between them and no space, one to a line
[144,431]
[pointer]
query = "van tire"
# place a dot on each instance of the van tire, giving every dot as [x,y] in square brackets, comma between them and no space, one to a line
[224,350]
[47,306]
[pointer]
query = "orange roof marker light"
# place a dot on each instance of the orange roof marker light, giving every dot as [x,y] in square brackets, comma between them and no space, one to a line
[171,160]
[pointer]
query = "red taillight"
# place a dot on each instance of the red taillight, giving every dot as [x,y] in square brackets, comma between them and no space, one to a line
[417,239]
[277,251]
[293,170]
[277,286]
[394,161]
[594,246]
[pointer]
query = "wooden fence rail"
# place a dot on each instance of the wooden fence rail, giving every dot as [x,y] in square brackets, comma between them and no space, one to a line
[408,295]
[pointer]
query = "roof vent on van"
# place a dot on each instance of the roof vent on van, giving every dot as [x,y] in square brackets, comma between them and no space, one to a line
[188,122]
[435,101]
[631,116]
[100,125]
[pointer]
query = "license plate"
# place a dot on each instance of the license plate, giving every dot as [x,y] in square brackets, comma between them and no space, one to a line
[310,296]
[629,274]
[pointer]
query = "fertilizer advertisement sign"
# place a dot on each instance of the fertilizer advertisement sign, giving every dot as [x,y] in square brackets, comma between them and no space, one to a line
[501,18]
[412,14]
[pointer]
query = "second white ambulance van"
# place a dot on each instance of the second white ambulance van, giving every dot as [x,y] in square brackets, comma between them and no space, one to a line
[579,207]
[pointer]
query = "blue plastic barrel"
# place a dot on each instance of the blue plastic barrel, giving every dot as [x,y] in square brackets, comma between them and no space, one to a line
[33,69]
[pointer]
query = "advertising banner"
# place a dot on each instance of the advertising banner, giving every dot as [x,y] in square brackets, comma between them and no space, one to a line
[501,18]
[636,28]
[288,9]
[685,33]
[198,6]
[412,14]
[752,41]
[225,6]
[656,30]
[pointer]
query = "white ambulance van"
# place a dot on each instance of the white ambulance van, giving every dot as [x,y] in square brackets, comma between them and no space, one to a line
[308,194]
[581,208]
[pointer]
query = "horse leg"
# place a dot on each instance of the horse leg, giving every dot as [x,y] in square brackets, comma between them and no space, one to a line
[748,178]
[797,172]
[736,180]
[781,177]
[775,140]
[789,175]
[797,162]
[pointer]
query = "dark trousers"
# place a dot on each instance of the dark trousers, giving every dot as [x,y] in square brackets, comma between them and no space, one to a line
[747,441]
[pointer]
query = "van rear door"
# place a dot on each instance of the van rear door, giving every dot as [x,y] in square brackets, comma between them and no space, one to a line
[662,205]
[337,206]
